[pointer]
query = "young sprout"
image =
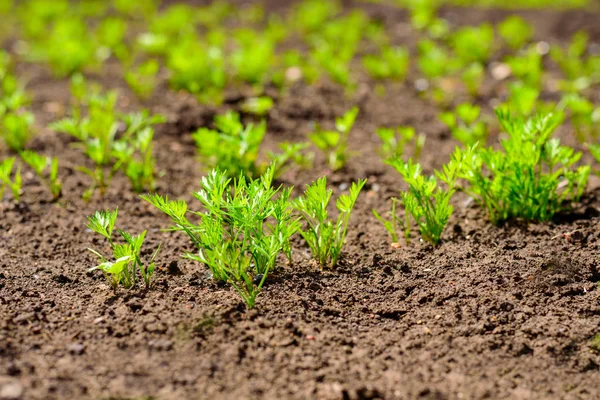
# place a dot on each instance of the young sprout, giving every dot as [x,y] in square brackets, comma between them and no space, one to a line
[585,116]
[14,183]
[464,124]
[530,177]
[311,15]
[142,79]
[240,154]
[395,222]
[253,57]
[472,77]
[426,202]
[16,129]
[244,226]
[127,259]
[473,43]
[394,141]
[98,133]
[198,67]
[527,67]
[522,99]
[515,31]
[594,150]
[110,35]
[335,143]
[39,164]
[134,157]
[68,47]
[391,63]
[324,236]
[259,106]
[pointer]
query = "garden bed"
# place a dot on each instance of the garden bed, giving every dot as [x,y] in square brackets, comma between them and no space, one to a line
[493,312]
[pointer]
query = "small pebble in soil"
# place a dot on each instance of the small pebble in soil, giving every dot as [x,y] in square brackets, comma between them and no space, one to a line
[161,345]
[421,85]
[542,48]
[500,71]
[344,186]
[310,337]
[11,390]
[257,279]
[76,349]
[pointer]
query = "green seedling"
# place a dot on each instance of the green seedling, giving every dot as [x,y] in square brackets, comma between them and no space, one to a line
[16,129]
[259,106]
[394,141]
[235,148]
[40,164]
[311,15]
[395,222]
[110,36]
[594,150]
[527,67]
[522,99]
[134,157]
[515,31]
[427,203]
[142,79]
[435,63]
[335,45]
[335,143]
[578,71]
[244,226]
[465,125]
[434,60]
[69,47]
[252,58]
[144,9]
[584,115]
[473,43]
[472,77]
[595,343]
[391,63]
[531,177]
[127,256]
[326,236]
[98,134]
[9,179]
[424,18]
[198,67]
[334,61]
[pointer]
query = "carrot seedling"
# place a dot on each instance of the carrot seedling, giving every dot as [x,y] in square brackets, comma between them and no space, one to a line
[9,179]
[515,31]
[244,226]
[464,124]
[335,143]
[426,202]
[142,79]
[394,142]
[390,63]
[127,259]
[324,236]
[530,177]
[39,164]
[234,148]
[111,149]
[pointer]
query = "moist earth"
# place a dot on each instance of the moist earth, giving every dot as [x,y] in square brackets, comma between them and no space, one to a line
[492,312]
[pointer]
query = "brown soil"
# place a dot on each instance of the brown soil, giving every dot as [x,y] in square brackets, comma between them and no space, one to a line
[493,312]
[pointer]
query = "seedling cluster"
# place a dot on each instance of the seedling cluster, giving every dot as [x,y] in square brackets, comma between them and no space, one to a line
[241,62]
